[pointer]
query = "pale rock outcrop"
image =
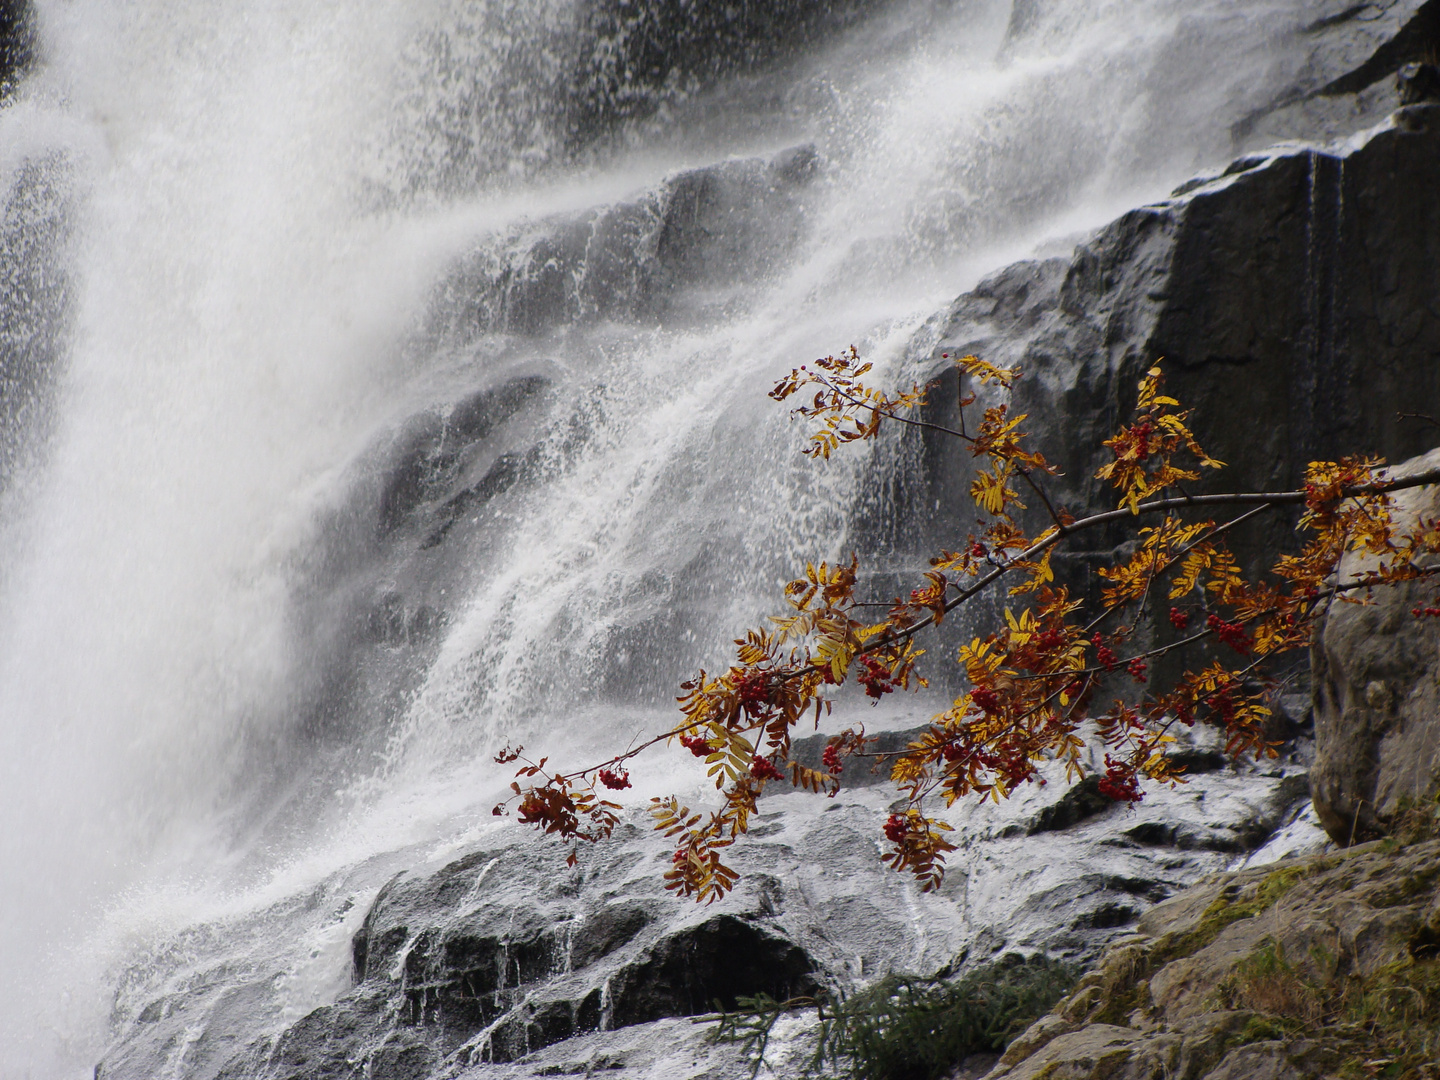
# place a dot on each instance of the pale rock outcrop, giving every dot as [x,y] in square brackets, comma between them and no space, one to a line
[1376,685]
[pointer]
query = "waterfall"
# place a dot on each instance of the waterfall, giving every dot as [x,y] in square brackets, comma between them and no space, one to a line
[391,402]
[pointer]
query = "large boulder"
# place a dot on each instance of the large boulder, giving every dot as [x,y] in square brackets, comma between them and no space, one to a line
[1253,974]
[1376,689]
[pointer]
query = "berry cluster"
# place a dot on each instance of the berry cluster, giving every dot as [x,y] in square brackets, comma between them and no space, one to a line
[754,692]
[615,780]
[1136,668]
[1422,612]
[762,768]
[1049,639]
[1120,783]
[1104,655]
[1232,634]
[696,745]
[986,698]
[1223,704]
[1179,619]
[875,677]
[895,828]
[832,761]
[1142,432]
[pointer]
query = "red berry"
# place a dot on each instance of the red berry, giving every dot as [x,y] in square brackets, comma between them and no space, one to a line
[696,745]
[876,678]
[1136,668]
[832,761]
[616,781]
[762,768]
[1232,634]
[895,828]
[754,691]
[1120,782]
[986,698]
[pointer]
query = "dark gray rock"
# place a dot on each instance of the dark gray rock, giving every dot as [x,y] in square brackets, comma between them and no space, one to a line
[17,42]
[1351,51]
[638,57]
[1418,83]
[712,964]
[1292,302]
[1080,801]
[1415,40]
[35,297]
[527,88]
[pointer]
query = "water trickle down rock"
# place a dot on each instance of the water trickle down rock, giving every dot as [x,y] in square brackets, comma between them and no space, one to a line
[1291,299]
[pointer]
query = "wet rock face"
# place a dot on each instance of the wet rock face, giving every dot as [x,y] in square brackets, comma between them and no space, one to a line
[639,56]
[1418,83]
[1289,298]
[703,229]
[35,289]
[528,87]
[502,952]
[718,961]
[1377,706]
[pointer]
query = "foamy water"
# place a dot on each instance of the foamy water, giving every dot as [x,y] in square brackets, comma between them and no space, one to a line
[264,199]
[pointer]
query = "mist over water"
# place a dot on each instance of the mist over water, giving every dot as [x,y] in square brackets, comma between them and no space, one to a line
[264,208]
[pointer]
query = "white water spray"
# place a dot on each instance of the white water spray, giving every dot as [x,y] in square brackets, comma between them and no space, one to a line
[265,199]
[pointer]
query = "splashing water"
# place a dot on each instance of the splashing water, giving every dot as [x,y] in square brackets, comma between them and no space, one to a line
[266,227]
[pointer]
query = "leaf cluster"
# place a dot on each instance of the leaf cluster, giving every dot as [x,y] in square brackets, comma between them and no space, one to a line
[1059,677]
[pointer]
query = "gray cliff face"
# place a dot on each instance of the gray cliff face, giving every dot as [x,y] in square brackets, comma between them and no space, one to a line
[1290,301]
[1377,710]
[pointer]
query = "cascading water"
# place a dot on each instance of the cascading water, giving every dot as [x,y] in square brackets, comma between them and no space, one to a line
[299,527]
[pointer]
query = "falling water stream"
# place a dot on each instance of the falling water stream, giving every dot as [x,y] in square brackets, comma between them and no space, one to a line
[220,680]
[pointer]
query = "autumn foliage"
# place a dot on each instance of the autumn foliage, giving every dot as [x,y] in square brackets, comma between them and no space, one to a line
[1057,676]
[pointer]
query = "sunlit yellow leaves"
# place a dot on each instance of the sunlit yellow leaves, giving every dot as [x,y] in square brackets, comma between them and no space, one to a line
[1143,449]
[1157,550]
[987,372]
[982,661]
[1039,573]
[847,409]
[991,490]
